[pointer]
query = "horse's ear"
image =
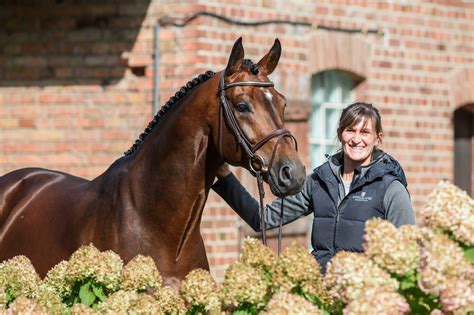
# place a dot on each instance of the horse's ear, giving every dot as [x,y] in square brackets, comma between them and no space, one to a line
[236,57]
[269,62]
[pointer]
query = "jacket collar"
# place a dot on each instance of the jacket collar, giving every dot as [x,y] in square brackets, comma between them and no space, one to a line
[382,164]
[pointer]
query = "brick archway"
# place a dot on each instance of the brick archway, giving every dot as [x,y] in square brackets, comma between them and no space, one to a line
[461,84]
[462,96]
[329,50]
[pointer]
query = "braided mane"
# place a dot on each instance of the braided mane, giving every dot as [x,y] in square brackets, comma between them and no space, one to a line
[173,99]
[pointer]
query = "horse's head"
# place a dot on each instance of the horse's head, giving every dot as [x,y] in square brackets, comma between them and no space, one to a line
[251,129]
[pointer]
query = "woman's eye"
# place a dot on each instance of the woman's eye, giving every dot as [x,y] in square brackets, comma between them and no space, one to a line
[242,107]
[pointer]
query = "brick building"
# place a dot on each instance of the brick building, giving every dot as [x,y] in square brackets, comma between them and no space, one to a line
[76,83]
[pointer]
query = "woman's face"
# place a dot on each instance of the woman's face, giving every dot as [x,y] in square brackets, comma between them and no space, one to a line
[358,141]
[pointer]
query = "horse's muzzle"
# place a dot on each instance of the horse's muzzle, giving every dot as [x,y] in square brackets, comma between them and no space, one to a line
[287,179]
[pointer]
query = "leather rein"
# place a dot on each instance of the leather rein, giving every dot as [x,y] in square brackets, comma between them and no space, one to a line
[257,164]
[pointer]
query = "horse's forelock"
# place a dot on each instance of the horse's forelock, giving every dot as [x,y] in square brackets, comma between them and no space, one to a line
[250,66]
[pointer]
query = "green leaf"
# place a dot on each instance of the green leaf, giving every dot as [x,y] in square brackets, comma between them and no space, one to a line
[9,298]
[314,299]
[469,252]
[99,292]
[196,309]
[246,308]
[407,281]
[86,295]
[406,284]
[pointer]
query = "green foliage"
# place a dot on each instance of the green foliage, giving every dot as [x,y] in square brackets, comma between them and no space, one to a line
[469,252]
[419,301]
[247,309]
[9,297]
[87,292]
[196,309]
[267,275]
[327,309]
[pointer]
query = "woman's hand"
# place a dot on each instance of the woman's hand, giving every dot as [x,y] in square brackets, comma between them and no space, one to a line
[223,170]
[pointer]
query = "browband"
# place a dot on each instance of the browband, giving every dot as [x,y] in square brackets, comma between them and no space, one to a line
[247,83]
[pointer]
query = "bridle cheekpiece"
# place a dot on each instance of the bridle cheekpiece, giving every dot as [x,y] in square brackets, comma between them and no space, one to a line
[225,111]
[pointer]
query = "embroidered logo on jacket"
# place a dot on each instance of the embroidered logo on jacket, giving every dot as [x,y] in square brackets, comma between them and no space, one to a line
[362,197]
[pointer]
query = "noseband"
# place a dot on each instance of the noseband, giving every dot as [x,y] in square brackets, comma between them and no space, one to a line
[225,111]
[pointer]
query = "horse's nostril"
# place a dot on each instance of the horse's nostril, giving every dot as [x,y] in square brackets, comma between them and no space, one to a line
[288,179]
[285,175]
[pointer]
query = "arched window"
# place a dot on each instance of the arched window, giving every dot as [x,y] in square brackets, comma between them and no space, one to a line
[463,148]
[331,91]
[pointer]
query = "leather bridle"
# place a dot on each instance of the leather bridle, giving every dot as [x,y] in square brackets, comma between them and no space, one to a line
[225,112]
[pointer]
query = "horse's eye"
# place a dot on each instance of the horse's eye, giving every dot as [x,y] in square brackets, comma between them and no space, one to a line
[242,107]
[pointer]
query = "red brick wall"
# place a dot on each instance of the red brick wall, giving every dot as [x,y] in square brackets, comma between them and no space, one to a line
[68,97]
[76,80]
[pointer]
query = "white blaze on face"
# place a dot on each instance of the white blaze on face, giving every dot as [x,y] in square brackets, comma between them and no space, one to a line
[268,95]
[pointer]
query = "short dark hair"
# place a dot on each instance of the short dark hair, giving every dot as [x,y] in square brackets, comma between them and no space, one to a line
[357,112]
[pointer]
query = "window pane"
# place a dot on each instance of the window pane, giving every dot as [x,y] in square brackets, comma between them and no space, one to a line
[317,155]
[347,84]
[332,149]
[335,95]
[316,123]
[318,93]
[331,92]
[332,117]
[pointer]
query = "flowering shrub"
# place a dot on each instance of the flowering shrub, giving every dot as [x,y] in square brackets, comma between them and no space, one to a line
[377,302]
[88,263]
[244,288]
[432,262]
[24,305]
[395,250]
[350,275]
[90,275]
[256,255]
[170,301]
[141,274]
[18,278]
[200,291]
[56,280]
[424,269]
[287,303]
[118,302]
[298,272]
[450,210]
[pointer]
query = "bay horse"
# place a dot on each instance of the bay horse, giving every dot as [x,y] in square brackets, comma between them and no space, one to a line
[150,200]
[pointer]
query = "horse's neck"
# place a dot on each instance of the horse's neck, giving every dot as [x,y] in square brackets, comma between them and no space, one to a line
[169,176]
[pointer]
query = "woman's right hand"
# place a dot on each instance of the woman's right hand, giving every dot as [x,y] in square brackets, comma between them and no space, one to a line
[223,170]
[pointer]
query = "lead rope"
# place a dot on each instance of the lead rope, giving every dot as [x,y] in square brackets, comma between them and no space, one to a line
[280,227]
[261,193]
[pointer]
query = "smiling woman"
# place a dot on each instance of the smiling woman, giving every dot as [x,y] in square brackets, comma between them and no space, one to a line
[356,184]
[360,132]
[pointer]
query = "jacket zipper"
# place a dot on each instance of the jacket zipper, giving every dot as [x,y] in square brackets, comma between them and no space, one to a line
[337,221]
